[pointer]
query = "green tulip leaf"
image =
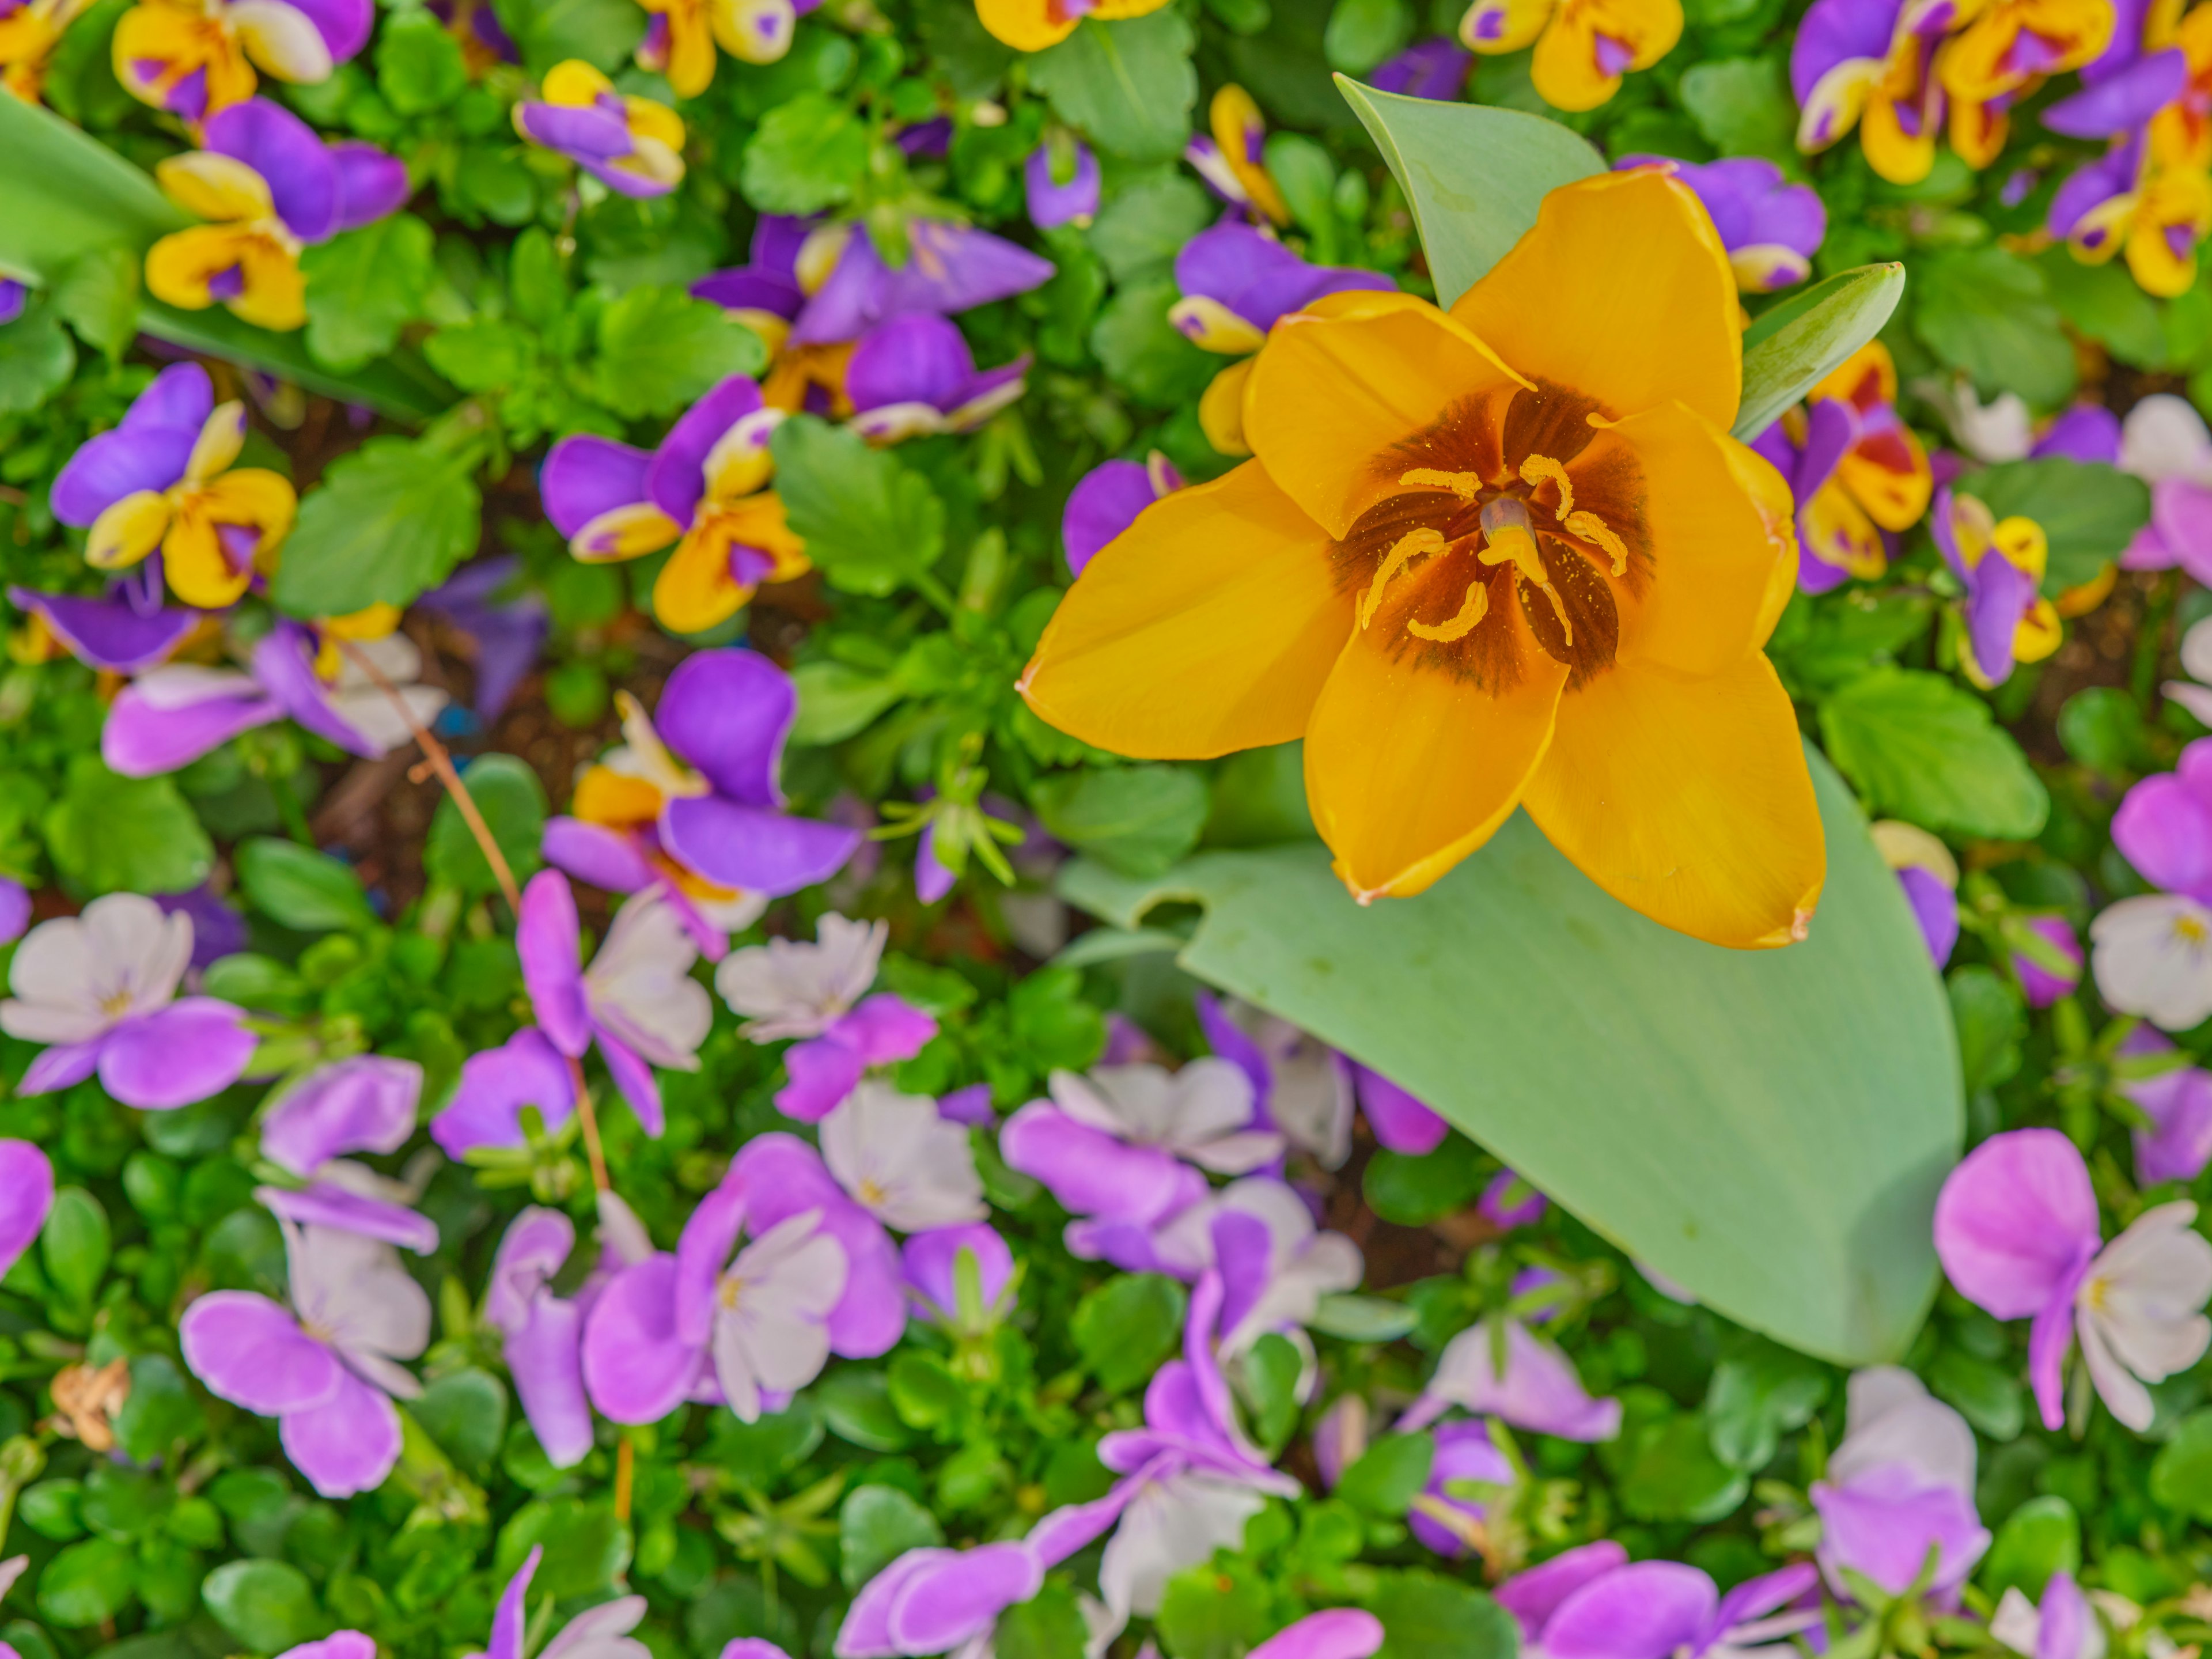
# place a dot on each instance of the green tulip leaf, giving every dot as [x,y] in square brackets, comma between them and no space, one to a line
[64,195]
[1792,347]
[1768,1128]
[1474,175]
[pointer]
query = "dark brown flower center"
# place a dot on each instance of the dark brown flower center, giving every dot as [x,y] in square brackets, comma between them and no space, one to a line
[1486,524]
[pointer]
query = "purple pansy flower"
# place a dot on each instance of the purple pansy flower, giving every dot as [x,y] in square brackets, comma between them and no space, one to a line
[2164,825]
[16,904]
[1592,1602]
[936,1263]
[901,1161]
[1930,876]
[14,296]
[2045,983]
[2164,442]
[783,1176]
[2177,1145]
[689,804]
[2064,1625]
[316,189]
[1449,1525]
[1435,68]
[362,1104]
[1106,501]
[100,989]
[2153,953]
[497,1083]
[1237,281]
[818,993]
[637,1001]
[27,1194]
[2018,1232]
[1400,1123]
[631,145]
[172,714]
[324,1368]
[1301,1087]
[506,631]
[125,632]
[1509,1202]
[1771,228]
[597,1632]
[2001,565]
[1259,1238]
[1901,1482]
[1053,201]
[2082,432]
[193,60]
[913,376]
[1538,1390]
[218,931]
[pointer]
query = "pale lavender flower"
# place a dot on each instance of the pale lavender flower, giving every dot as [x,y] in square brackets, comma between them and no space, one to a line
[27,1195]
[15,910]
[1202,1113]
[2044,985]
[815,992]
[2152,956]
[100,990]
[339,1644]
[1901,1483]
[599,1632]
[901,1161]
[362,1104]
[1451,1525]
[1400,1123]
[2164,442]
[637,1001]
[1300,1086]
[1260,1238]
[2177,1145]
[1592,1602]
[935,1263]
[2163,824]
[782,1176]
[324,1368]
[2018,1232]
[2064,1626]
[1333,1633]
[1538,1391]
[497,1083]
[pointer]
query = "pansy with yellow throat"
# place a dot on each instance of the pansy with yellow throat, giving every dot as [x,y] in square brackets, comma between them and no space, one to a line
[1505,555]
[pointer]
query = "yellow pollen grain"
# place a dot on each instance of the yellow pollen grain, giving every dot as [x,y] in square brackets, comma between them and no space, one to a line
[1465,485]
[1410,546]
[1472,611]
[1591,528]
[1537,469]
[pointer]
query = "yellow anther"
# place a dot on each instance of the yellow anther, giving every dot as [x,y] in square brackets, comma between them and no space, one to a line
[1465,485]
[1472,611]
[1598,421]
[1410,546]
[1539,468]
[1593,529]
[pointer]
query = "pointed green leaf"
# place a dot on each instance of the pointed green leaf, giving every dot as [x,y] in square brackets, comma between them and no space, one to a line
[1474,174]
[64,195]
[1792,347]
[1766,1127]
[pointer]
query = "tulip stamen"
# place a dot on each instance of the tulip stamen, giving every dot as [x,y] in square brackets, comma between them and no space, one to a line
[1471,612]
[1539,469]
[1509,540]
[1591,528]
[1466,485]
[1410,546]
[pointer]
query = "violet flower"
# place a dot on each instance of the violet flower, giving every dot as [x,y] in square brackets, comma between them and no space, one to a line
[14,296]
[1901,1482]
[324,1369]
[218,931]
[268,186]
[2064,1626]
[505,632]
[1771,228]
[1333,1633]
[124,632]
[637,1001]
[939,1265]
[1053,201]
[2001,564]
[913,376]
[15,910]
[1301,1087]
[2177,1145]
[1232,157]
[597,1632]
[1870,64]
[339,1644]
[704,489]
[757,1325]
[1538,1390]
[1451,1526]
[543,1332]
[362,1104]
[690,806]
[2017,1229]
[631,145]
[901,1161]
[782,1176]
[2082,432]
[764,293]
[1930,876]
[1106,501]
[27,1195]
[2044,983]
[2164,825]
[165,478]
[1202,1113]
[1238,282]
[2164,442]
[1400,1123]
[486,1107]
[100,989]
[1436,68]
[172,714]
[1259,1239]
[196,58]
[815,992]
[1509,1202]
[1592,1602]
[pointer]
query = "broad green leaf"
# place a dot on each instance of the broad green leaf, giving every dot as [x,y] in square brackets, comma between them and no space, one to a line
[419,66]
[2182,1478]
[871,524]
[366,285]
[2089,512]
[1127,1327]
[1214,1613]
[1389,1474]
[2107,304]
[110,834]
[1413,1189]
[389,520]
[36,360]
[298,887]
[1129,85]
[2041,1537]
[1426,1617]
[1136,819]
[603,32]
[1674,1475]
[465,1413]
[1146,356]
[1048,1626]
[269,1605]
[98,296]
[75,1244]
[877,1524]
[1144,228]
[806,155]
[64,195]
[1361,33]
[836,700]
[513,802]
[1923,747]
[1792,347]
[587,1549]
[1759,1392]
[1742,105]
[87,1582]
[1989,313]
[1775,1123]
[160,1411]
[660,349]
[1474,174]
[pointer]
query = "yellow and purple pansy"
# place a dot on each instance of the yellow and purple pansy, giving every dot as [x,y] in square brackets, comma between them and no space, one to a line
[1033,24]
[269,187]
[704,490]
[1771,227]
[914,377]
[1060,184]
[680,41]
[1583,47]
[193,57]
[1869,64]
[164,479]
[631,145]
[1436,68]
[2006,50]
[29,32]
[2002,562]
[1232,159]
